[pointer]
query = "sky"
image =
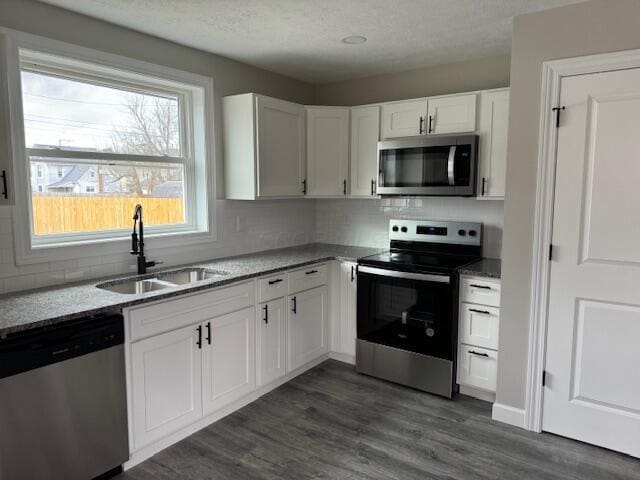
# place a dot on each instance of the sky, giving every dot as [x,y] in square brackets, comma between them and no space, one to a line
[64,112]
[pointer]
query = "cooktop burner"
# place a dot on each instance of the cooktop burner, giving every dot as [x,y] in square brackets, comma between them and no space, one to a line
[419,261]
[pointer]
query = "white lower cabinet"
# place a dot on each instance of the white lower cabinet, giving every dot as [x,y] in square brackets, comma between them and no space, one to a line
[307,329]
[343,319]
[478,345]
[228,354]
[272,341]
[166,384]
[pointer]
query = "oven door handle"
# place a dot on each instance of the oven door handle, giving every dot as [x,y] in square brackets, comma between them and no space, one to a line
[451,163]
[425,277]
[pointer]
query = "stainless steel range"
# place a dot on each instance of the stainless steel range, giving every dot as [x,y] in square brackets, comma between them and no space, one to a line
[407,303]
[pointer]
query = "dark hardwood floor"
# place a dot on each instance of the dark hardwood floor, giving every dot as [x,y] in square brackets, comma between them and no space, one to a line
[332,423]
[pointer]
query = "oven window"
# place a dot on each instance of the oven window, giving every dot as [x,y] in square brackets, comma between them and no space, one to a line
[408,314]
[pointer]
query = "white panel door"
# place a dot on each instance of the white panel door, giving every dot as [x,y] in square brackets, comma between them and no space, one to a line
[327,151]
[455,114]
[228,358]
[166,383]
[592,391]
[404,119]
[272,338]
[348,286]
[307,326]
[281,151]
[365,131]
[493,131]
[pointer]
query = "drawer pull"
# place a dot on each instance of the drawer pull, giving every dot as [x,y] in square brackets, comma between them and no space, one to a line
[484,287]
[311,271]
[273,282]
[479,354]
[484,312]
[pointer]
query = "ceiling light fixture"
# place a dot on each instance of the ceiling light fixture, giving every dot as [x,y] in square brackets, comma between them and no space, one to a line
[354,40]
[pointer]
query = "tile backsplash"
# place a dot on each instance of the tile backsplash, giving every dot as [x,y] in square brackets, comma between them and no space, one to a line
[245,227]
[242,227]
[365,222]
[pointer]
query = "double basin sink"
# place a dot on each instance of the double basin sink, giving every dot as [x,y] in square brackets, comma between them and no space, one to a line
[162,280]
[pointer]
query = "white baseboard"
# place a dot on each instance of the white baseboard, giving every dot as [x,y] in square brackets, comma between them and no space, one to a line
[478,393]
[507,414]
[343,357]
[149,450]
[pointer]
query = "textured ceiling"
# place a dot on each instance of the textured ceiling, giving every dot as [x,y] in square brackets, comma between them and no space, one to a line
[301,38]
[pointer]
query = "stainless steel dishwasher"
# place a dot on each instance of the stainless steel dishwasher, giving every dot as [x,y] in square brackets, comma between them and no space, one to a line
[63,411]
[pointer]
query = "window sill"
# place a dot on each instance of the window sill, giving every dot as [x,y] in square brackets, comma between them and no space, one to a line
[32,254]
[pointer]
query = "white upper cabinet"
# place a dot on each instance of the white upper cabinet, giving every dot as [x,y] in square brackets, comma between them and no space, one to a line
[365,131]
[451,114]
[327,151]
[493,131]
[263,147]
[404,119]
[6,164]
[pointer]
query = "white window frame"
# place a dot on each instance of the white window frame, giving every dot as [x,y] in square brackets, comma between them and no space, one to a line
[197,130]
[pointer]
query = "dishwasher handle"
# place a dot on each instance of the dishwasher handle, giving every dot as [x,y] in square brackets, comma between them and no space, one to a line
[24,351]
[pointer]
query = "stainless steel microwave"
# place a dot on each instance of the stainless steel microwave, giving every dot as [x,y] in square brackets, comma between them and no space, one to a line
[438,166]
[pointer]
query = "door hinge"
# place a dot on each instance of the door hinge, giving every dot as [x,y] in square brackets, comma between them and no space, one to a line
[557,110]
[544,378]
[550,251]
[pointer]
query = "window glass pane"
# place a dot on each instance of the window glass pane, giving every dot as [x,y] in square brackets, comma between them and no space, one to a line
[95,196]
[78,115]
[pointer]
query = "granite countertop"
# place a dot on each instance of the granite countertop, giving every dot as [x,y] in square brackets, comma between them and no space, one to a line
[37,308]
[487,267]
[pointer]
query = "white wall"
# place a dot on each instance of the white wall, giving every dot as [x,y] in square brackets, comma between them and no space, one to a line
[263,225]
[366,222]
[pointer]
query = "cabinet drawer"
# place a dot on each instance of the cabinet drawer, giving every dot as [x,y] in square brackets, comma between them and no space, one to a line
[168,315]
[306,278]
[272,287]
[479,325]
[477,367]
[480,290]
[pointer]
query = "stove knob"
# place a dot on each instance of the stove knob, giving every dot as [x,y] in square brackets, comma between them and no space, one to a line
[404,229]
[472,233]
[395,228]
[462,233]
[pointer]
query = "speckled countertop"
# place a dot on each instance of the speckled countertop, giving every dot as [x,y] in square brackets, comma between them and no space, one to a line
[36,308]
[487,267]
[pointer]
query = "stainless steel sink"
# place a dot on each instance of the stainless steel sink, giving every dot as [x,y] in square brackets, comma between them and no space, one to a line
[162,280]
[190,275]
[135,286]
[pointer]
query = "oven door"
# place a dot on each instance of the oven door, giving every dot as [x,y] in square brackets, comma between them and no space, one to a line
[408,311]
[432,166]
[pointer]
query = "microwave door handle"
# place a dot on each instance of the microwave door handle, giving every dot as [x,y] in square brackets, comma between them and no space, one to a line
[451,165]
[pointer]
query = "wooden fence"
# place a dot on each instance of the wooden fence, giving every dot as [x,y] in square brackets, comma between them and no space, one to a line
[81,213]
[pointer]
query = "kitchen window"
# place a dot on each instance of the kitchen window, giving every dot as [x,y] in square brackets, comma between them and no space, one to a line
[112,138]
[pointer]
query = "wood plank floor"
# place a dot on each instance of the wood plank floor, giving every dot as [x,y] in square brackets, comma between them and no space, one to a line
[332,423]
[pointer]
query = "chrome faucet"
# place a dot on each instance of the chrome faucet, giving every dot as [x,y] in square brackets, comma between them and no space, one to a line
[137,241]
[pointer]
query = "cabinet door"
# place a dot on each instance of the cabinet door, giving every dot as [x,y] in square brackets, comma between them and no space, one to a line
[404,119]
[272,335]
[477,367]
[348,282]
[493,131]
[6,164]
[228,358]
[166,384]
[327,151]
[307,326]
[280,139]
[454,114]
[365,131]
